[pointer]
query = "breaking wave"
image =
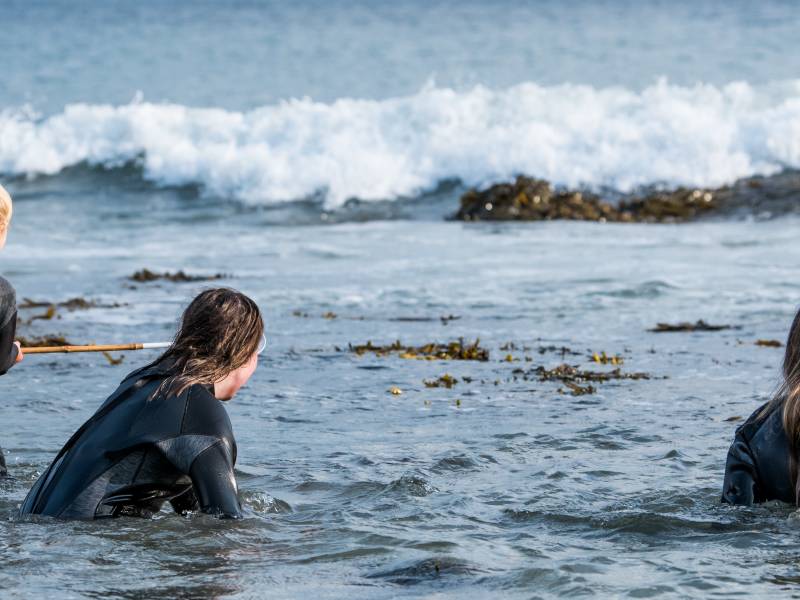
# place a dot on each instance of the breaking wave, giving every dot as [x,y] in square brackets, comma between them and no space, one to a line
[574,135]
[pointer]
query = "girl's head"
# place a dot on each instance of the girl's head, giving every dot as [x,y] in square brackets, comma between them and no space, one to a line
[5,214]
[217,343]
[789,394]
[791,359]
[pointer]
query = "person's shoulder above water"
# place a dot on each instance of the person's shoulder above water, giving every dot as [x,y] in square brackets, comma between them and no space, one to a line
[8,300]
[205,413]
[758,466]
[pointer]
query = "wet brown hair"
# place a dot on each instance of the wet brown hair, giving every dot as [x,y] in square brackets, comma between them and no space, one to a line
[220,331]
[788,394]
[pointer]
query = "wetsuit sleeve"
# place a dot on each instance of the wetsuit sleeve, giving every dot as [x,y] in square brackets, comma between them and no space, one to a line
[740,485]
[214,482]
[8,350]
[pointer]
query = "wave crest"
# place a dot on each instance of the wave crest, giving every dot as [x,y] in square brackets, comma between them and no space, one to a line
[373,150]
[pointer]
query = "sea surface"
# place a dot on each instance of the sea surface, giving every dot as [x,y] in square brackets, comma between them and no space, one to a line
[312,153]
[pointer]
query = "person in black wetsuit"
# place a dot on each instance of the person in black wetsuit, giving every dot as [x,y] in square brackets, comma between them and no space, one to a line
[10,352]
[762,461]
[163,435]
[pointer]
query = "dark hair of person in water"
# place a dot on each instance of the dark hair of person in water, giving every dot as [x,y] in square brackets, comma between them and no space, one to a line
[788,393]
[220,331]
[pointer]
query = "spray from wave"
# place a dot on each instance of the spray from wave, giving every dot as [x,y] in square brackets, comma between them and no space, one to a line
[374,150]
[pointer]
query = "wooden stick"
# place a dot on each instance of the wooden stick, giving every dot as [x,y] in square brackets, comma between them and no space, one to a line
[94,348]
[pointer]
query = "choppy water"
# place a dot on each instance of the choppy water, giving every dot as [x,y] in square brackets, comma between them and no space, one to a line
[257,125]
[510,488]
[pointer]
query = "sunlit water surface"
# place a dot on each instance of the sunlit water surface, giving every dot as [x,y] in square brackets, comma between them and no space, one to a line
[499,485]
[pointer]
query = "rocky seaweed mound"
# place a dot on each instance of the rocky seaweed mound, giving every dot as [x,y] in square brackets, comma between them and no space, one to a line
[531,199]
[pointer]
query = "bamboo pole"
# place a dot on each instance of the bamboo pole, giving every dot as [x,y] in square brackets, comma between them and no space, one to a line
[94,348]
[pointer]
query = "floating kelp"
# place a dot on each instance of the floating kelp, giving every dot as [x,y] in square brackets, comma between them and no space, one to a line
[577,390]
[433,351]
[395,391]
[444,319]
[678,327]
[71,304]
[562,350]
[530,199]
[605,359]
[573,374]
[769,343]
[446,380]
[51,311]
[508,346]
[146,276]
[47,315]
[113,361]
[42,341]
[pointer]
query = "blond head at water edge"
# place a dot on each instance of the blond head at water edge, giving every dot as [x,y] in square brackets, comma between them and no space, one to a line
[6,209]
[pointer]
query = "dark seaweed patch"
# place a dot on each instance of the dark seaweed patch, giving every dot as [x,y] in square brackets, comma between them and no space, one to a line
[457,350]
[685,326]
[446,380]
[572,374]
[769,343]
[44,340]
[146,276]
[77,303]
[531,199]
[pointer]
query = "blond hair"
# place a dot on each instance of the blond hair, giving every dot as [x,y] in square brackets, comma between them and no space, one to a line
[5,208]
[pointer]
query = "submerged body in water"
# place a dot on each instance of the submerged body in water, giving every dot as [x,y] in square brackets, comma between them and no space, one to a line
[143,447]
[758,467]
[762,461]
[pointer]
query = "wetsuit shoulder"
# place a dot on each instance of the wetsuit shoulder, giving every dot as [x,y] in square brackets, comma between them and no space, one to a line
[8,325]
[8,301]
[758,462]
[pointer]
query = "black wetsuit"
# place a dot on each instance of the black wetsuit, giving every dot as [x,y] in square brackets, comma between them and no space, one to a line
[758,466]
[139,451]
[8,329]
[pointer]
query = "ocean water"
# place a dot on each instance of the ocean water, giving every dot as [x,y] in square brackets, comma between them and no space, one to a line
[312,152]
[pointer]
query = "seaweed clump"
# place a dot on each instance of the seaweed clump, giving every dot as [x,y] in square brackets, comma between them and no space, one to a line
[531,199]
[578,381]
[572,374]
[446,381]
[769,343]
[607,359]
[43,340]
[77,303]
[679,327]
[458,350]
[146,276]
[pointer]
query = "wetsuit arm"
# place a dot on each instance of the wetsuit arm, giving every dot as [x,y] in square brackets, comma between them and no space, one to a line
[214,482]
[741,475]
[8,350]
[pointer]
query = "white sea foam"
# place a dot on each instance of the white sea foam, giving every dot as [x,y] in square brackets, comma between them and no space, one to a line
[570,134]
